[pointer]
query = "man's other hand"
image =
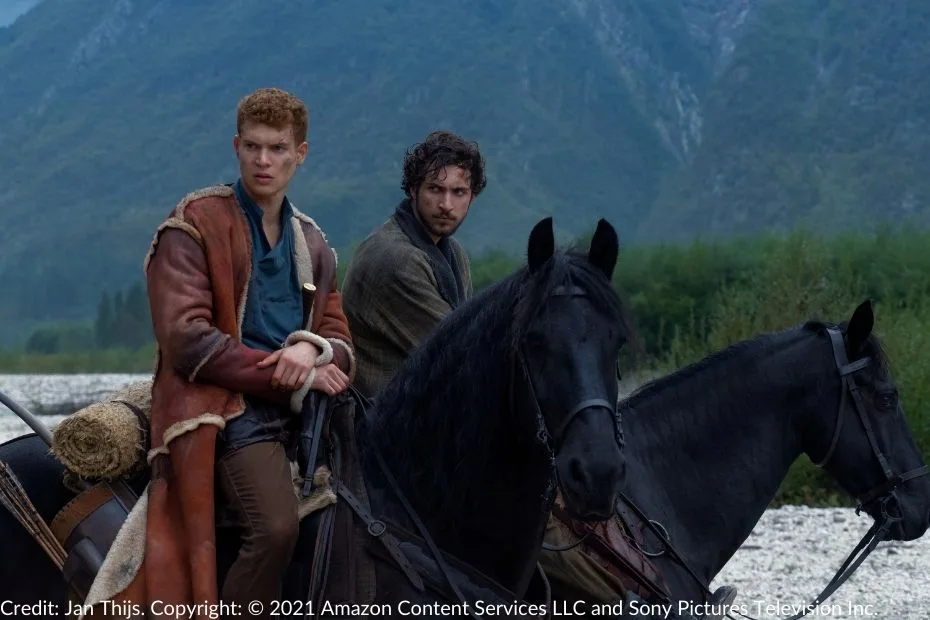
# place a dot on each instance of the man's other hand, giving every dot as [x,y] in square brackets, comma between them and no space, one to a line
[330,379]
[294,364]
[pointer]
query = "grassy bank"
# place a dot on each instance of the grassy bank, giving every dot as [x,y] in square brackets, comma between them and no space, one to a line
[141,360]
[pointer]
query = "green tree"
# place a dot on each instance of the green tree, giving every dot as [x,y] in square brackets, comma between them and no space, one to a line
[103,325]
[43,341]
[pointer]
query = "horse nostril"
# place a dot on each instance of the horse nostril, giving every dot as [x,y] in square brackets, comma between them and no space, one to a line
[576,471]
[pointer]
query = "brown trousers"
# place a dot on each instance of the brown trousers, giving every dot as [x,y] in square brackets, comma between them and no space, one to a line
[256,483]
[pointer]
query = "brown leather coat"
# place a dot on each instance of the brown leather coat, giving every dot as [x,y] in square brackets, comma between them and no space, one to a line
[197,272]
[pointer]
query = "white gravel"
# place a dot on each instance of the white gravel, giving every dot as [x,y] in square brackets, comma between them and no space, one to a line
[787,560]
[794,551]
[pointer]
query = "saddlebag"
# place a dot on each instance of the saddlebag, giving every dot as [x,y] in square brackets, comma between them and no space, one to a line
[86,527]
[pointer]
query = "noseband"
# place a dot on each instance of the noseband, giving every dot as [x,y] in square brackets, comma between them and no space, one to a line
[547,437]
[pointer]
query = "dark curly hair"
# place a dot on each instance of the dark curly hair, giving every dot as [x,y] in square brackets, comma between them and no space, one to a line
[438,150]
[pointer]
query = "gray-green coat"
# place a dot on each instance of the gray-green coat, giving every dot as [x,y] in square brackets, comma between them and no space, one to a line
[391,299]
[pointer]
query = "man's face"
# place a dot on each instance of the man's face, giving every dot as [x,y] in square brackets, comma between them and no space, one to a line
[442,201]
[268,158]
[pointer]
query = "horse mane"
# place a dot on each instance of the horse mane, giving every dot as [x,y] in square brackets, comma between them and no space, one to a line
[456,384]
[733,354]
[736,353]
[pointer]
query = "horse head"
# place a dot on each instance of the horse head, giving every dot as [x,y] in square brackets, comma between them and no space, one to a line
[710,445]
[569,346]
[513,394]
[891,482]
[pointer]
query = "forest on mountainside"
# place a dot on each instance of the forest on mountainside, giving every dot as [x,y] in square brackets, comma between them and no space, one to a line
[675,119]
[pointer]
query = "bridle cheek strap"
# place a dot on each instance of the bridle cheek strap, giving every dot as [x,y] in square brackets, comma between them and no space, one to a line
[848,386]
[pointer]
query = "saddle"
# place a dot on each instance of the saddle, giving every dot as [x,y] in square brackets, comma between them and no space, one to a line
[618,546]
[354,553]
[87,526]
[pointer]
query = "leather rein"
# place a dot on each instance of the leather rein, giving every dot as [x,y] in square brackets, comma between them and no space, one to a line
[882,493]
[544,435]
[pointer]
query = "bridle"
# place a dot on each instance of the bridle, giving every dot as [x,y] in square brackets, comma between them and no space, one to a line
[882,493]
[847,370]
[552,439]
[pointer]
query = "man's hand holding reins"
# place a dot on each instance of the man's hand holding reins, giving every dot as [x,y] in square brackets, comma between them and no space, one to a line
[294,364]
[330,379]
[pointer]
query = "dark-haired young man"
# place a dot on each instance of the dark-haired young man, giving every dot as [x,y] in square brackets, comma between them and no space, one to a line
[410,273]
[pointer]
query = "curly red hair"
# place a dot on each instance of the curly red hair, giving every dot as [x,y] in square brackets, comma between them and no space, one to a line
[276,108]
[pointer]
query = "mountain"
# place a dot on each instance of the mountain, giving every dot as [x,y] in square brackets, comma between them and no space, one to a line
[819,118]
[673,118]
[12,9]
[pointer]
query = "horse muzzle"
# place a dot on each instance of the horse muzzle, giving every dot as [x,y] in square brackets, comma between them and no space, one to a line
[591,465]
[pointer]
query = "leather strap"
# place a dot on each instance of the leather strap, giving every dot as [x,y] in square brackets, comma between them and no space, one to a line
[86,527]
[142,419]
[321,555]
[379,530]
[647,584]
[312,419]
[123,494]
[78,509]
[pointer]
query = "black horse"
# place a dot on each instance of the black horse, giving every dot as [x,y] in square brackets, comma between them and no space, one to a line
[709,445]
[513,396]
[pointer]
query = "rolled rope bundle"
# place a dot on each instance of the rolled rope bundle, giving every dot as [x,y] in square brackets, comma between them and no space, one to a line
[108,439]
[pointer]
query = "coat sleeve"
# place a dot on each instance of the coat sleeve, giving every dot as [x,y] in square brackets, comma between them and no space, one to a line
[181,303]
[466,276]
[334,327]
[408,305]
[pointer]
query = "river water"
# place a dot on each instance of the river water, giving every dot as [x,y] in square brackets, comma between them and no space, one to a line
[54,396]
[788,558]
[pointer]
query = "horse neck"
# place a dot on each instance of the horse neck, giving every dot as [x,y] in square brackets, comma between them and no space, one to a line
[450,434]
[711,447]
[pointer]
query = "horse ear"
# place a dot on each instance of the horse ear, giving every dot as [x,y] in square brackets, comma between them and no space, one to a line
[860,326]
[604,248]
[542,244]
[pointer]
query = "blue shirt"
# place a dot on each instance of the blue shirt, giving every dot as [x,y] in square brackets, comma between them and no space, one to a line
[273,305]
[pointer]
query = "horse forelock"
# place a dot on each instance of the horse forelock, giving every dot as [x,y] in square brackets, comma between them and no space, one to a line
[565,269]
